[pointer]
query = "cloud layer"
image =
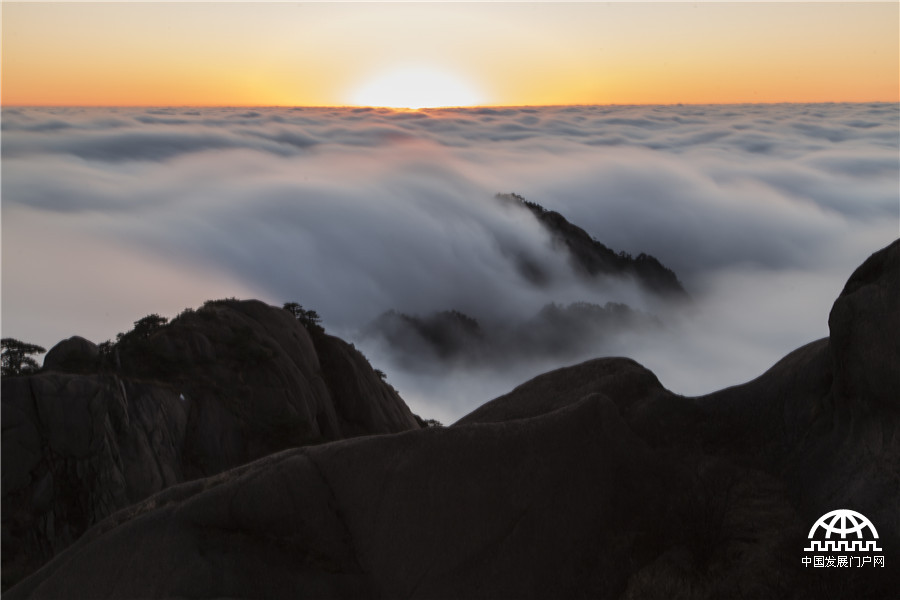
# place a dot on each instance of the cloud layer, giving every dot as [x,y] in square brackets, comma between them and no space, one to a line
[762,211]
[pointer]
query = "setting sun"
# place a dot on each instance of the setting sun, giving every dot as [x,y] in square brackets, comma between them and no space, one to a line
[415,87]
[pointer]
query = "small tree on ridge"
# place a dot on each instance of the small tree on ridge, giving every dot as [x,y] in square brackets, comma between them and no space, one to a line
[16,359]
[308,318]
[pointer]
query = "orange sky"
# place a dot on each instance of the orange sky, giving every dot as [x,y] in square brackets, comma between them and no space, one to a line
[510,54]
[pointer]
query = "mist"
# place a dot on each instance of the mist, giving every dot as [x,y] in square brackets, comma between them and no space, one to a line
[762,211]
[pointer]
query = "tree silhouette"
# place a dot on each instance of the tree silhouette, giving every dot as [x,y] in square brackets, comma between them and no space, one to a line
[308,318]
[144,328]
[15,359]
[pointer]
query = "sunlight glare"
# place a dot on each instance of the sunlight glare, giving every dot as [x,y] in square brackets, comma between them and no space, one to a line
[416,87]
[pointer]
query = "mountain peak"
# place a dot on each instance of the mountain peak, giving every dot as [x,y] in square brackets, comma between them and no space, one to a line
[592,258]
[100,428]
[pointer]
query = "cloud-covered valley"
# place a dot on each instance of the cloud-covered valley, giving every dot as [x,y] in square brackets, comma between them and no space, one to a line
[762,211]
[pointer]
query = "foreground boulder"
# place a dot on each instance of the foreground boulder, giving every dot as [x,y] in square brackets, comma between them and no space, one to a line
[590,481]
[216,388]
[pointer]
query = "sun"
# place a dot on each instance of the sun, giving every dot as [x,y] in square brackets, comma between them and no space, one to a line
[416,87]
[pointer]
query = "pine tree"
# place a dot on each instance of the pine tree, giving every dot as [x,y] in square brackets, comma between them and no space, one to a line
[16,359]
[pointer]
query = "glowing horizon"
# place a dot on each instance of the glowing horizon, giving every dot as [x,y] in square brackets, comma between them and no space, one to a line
[323,55]
[416,88]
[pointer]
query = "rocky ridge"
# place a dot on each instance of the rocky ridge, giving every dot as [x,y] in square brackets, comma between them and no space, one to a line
[588,481]
[594,259]
[102,428]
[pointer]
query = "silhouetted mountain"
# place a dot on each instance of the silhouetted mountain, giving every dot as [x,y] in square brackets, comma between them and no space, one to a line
[573,329]
[451,337]
[589,481]
[102,428]
[446,335]
[437,340]
[592,258]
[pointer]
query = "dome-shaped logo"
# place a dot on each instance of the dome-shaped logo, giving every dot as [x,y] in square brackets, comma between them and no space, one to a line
[843,530]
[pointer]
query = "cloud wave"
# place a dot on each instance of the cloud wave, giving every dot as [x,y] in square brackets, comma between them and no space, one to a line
[762,211]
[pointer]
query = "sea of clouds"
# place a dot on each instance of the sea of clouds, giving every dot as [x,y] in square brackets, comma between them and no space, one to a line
[763,211]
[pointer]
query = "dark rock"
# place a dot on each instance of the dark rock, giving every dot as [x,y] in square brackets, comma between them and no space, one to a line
[591,481]
[216,388]
[864,323]
[592,258]
[363,403]
[620,378]
[74,355]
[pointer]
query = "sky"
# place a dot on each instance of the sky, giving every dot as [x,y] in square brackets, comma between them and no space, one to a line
[338,53]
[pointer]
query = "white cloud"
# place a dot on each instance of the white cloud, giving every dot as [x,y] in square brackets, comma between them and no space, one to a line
[763,211]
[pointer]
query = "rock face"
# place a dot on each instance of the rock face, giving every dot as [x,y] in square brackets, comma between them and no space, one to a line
[590,481]
[216,388]
[592,258]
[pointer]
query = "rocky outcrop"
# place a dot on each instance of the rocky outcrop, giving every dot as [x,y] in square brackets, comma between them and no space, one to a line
[216,388]
[590,481]
[364,403]
[592,258]
[73,355]
[864,323]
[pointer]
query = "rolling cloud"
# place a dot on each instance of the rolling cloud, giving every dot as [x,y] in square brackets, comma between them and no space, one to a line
[762,211]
